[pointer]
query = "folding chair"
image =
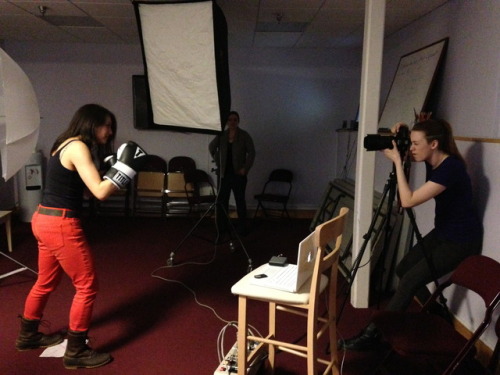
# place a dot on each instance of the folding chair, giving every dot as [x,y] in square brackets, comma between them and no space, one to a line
[275,193]
[428,340]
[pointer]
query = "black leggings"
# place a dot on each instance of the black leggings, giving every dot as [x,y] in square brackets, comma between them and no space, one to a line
[237,184]
[414,271]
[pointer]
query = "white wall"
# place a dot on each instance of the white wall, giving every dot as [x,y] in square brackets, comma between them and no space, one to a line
[290,101]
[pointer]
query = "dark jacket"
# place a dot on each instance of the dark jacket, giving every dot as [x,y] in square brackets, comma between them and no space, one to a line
[243,151]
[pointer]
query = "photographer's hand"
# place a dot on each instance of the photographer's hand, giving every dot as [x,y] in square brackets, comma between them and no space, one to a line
[393,154]
[396,126]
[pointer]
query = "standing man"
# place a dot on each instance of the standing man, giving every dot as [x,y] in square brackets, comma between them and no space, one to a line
[234,154]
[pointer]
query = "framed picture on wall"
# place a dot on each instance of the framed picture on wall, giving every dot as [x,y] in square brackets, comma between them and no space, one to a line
[412,84]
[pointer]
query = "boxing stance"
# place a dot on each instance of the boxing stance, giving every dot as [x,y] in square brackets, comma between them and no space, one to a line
[62,245]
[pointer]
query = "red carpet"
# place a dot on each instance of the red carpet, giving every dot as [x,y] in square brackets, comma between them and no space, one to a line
[152,325]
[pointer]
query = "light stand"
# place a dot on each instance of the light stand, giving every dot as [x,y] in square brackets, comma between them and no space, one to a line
[234,234]
[23,267]
[218,207]
[389,189]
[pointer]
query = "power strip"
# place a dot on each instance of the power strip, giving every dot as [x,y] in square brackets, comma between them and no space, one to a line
[229,364]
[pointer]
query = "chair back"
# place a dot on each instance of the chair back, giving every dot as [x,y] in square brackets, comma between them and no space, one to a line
[328,238]
[150,184]
[278,186]
[149,193]
[181,164]
[198,183]
[281,175]
[479,273]
[154,163]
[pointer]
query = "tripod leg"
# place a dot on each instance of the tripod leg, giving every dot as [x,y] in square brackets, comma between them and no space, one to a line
[23,267]
[389,186]
[235,234]
[170,261]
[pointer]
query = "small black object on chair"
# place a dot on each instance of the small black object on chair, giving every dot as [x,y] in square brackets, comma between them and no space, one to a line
[276,191]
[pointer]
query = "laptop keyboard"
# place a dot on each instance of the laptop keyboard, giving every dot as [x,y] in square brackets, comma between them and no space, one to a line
[287,276]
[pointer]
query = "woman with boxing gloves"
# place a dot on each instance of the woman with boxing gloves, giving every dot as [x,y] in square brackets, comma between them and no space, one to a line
[457,231]
[62,245]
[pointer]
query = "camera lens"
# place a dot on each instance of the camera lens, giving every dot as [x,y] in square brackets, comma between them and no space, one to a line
[375,142]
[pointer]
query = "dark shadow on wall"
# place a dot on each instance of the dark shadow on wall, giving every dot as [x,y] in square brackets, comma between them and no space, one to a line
[480,183]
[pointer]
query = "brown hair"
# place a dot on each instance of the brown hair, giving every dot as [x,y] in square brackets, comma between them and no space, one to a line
[440,131]
[83,125]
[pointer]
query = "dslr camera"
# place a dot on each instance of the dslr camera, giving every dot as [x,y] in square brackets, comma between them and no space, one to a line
[375,142]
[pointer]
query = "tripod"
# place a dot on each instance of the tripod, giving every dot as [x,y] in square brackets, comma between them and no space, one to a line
[390,189]
[220,213]
[213,206]
[23,267]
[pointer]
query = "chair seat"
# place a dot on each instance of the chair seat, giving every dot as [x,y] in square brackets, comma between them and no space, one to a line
[272,198]
[245,288]
[419,333]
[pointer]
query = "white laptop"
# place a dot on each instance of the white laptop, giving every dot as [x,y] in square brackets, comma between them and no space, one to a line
[292,276]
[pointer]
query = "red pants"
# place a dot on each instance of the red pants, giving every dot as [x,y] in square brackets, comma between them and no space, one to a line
[62,248]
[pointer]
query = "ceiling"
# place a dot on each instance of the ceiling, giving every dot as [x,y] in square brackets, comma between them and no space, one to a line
[251,23]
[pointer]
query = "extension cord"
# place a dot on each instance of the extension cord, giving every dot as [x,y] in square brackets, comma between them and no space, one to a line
[229,364]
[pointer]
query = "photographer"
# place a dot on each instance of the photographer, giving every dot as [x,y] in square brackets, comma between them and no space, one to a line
[457,231]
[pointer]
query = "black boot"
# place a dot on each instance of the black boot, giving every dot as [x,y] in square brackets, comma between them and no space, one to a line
[79,355]
[367,339]
[30,338]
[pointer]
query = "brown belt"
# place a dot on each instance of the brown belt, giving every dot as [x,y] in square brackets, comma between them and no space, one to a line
[61,212]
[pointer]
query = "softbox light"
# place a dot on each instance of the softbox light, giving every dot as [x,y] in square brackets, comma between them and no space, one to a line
[184,47]
[19,117]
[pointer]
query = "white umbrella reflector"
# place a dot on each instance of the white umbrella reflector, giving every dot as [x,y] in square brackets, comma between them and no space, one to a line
[19,117]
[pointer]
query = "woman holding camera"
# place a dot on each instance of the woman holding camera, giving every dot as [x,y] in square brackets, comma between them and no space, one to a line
[457,231]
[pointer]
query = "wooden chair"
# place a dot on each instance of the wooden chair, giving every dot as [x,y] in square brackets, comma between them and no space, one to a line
[275,193]
[177,203]
[428,340]
[149,193]
[305,303]
[149,187]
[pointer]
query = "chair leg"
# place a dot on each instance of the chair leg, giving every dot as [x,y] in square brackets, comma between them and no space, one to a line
[332,335]
[242,335]
[312,344]
[272,333]
[256,210]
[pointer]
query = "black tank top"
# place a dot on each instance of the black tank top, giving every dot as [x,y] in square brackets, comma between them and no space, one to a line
[63,187]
